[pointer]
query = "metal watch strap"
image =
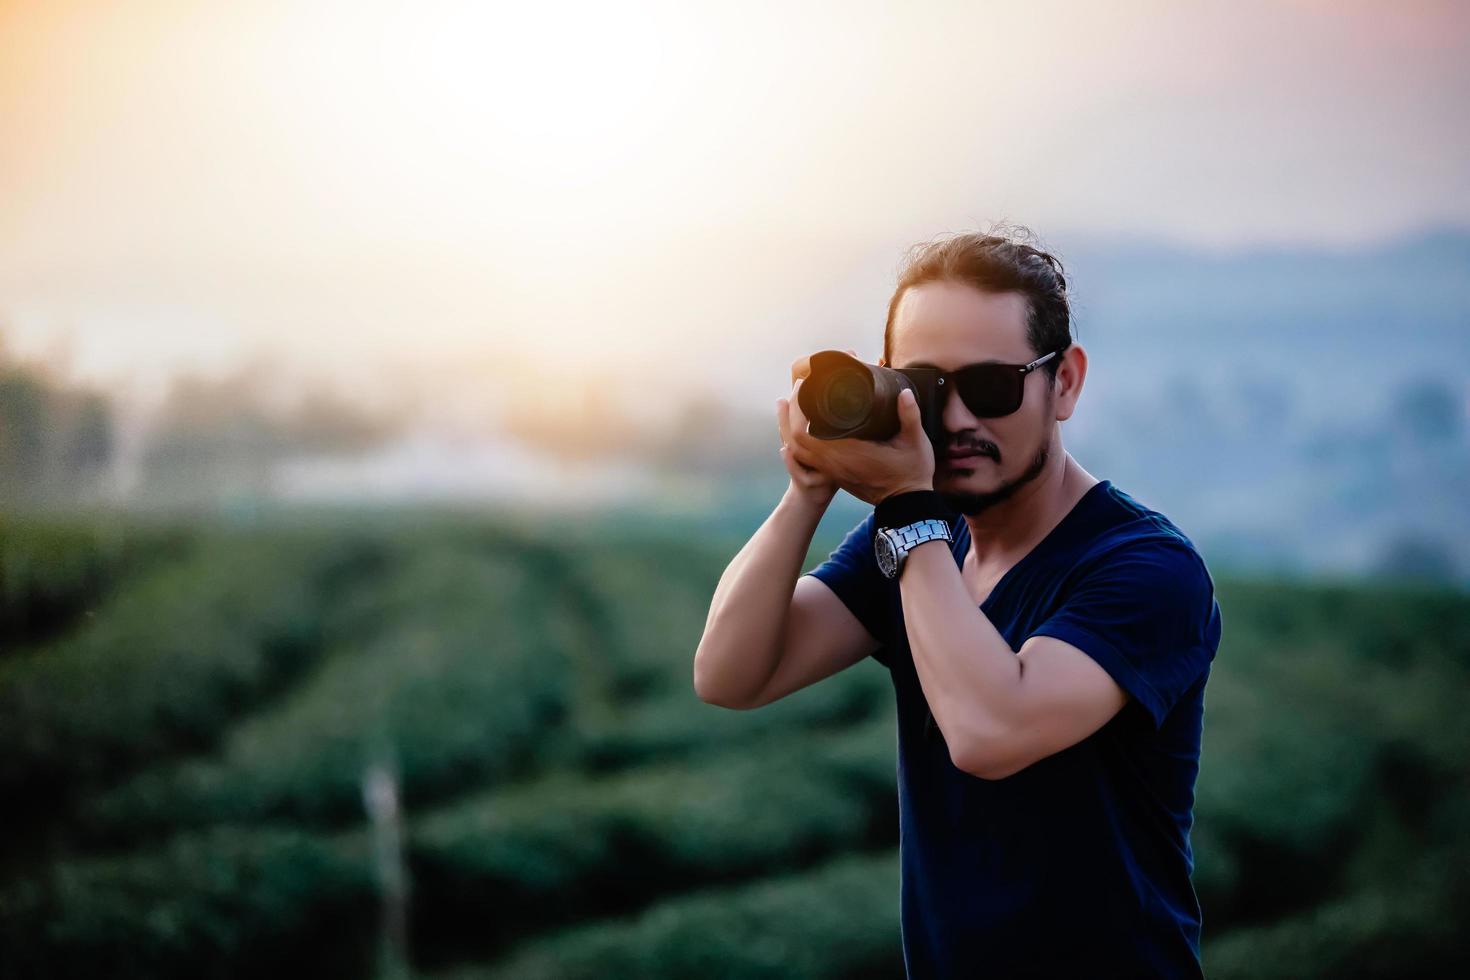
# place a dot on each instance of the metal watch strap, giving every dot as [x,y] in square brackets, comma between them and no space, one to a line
[930,529]
[904,539]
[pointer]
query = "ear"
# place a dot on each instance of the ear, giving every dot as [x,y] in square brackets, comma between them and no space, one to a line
[1070,377]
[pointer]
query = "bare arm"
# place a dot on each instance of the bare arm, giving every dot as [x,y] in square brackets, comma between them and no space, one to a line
[744,633]
[999,711]
[769,631]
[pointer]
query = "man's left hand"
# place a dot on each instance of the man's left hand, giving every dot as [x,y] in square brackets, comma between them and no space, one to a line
[871,471]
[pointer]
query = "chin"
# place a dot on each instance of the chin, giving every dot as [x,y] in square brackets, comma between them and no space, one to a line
[965,481]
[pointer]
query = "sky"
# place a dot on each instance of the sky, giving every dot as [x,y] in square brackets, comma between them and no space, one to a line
[479,197]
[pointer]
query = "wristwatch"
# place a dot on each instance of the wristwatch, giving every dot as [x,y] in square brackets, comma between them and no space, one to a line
[893,544]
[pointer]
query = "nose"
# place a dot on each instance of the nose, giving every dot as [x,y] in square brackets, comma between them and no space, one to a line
[953,412]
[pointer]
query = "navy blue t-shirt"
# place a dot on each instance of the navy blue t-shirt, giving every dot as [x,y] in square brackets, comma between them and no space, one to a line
[1078,865]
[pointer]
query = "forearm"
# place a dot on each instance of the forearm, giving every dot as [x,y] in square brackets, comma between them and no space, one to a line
[968,672]
[744,632]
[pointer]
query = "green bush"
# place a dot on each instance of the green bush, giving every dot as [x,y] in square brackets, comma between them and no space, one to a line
[165,665]
[651,600]
[1406,929]
[182,767]
[678,723]
[458,687]
[566,847]
[53,576]
[839,921]
[1315,742]
[232,902]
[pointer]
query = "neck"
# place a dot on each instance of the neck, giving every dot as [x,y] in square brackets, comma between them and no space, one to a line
[1017,524]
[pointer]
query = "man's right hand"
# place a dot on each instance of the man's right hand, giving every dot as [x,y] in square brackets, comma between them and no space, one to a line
[810,484]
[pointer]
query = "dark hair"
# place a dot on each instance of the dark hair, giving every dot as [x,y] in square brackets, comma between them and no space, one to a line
[996,263]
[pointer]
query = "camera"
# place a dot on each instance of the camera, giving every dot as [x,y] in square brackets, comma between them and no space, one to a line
[845,398]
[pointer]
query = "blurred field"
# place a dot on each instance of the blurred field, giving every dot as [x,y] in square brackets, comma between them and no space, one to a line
[187,713]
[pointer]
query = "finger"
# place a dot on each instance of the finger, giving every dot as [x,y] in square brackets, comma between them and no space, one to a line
[783,421]
[909,417]
[796,417]
[796,470]
[802,442]
[800,368]
[800,431]
[804,457]
[805,441]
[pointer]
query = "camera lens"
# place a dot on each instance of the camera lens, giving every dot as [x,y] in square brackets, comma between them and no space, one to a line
[847,398]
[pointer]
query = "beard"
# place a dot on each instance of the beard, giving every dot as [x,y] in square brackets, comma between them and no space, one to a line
[971,504]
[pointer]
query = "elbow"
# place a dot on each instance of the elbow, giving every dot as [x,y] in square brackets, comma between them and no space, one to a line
[710,695]
[707,696]
[990,770]
[729,705]
[989,758]
[720,702]
[701,686]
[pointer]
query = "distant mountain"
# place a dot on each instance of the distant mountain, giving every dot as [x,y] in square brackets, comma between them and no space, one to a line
[1290,407]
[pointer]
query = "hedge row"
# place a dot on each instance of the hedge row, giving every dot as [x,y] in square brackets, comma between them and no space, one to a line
[838,921]
[52,575]
[460,685]
[1408,928]
[567,848]
[231,902]
[472,673]
[234,900]
[535,698]
[1309,750]
[167,663]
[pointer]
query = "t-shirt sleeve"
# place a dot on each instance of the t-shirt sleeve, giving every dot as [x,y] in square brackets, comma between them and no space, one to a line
[1148,615]
[851,572]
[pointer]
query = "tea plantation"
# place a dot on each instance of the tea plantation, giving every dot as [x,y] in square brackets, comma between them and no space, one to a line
[188,713]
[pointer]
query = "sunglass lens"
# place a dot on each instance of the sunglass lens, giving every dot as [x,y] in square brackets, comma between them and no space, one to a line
[990,391]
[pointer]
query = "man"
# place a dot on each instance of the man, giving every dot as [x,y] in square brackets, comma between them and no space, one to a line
[1049,645]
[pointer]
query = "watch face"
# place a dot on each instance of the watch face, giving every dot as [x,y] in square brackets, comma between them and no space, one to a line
[887,557]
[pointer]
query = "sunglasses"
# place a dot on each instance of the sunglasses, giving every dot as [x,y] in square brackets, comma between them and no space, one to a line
[989,391]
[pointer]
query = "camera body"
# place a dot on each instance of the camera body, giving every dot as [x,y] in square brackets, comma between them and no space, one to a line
[845,398]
